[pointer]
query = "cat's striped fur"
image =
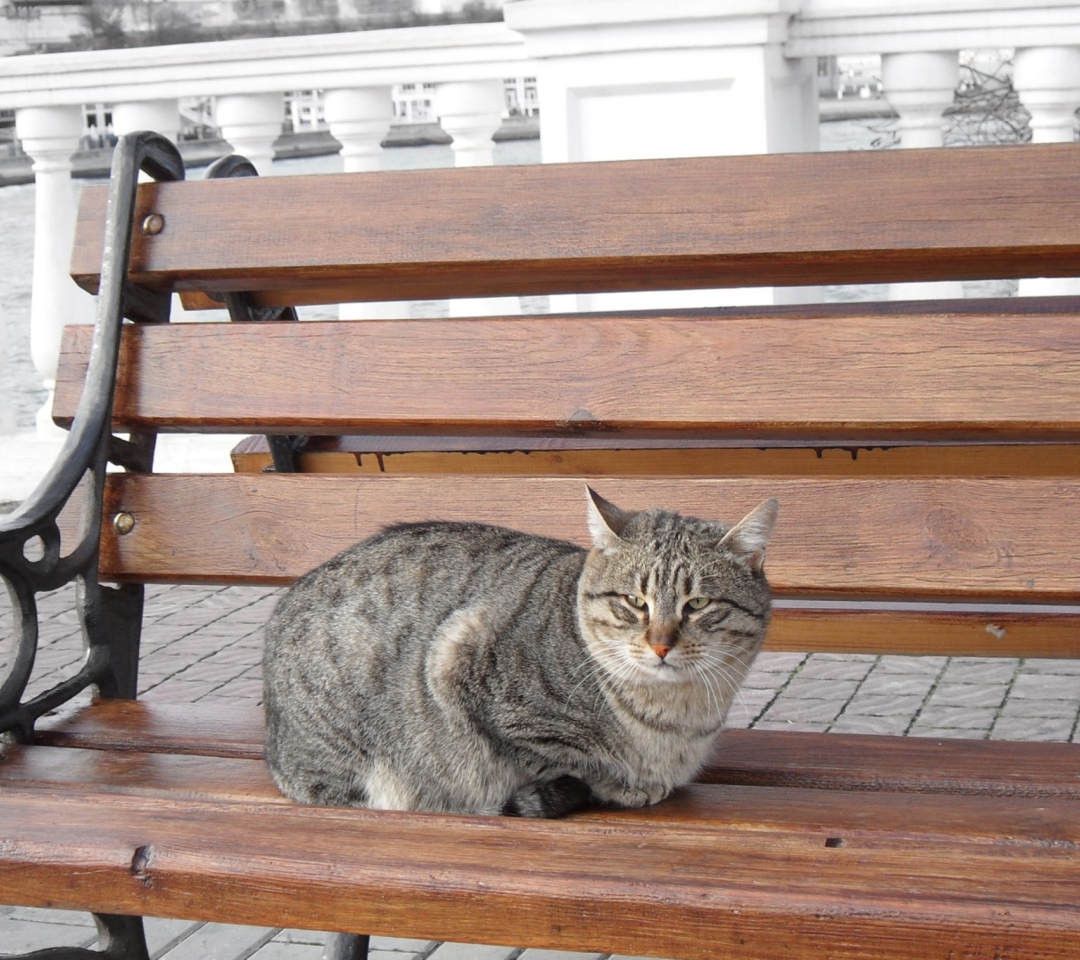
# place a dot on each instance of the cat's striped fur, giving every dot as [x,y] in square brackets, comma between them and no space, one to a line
[468,668]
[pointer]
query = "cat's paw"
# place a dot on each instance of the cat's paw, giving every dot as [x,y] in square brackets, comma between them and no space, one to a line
[550,798]
[621,795]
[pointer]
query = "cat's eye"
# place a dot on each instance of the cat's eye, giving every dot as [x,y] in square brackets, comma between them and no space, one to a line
[637,603]
[698,603]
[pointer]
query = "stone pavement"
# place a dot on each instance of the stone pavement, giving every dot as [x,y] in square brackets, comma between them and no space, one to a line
[204,643]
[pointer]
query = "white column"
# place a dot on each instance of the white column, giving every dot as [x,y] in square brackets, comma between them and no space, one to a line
[1047,80]
[920,86]
[635,80]
[471,112]
[251,122]
[50,135]
[161,116]
[360,120]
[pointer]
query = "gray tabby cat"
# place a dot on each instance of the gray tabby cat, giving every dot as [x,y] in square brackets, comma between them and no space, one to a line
[466,668]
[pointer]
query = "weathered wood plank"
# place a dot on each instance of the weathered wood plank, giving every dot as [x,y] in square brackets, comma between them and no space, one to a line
[699,222]
[747,757]
[730,380]
[919,538]
[699,889]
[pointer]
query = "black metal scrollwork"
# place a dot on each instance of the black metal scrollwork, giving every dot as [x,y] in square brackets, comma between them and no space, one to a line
[110,616]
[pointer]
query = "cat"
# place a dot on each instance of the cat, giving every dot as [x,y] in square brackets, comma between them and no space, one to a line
[467,668]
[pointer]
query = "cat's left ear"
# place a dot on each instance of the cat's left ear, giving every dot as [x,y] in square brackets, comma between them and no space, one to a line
[750,536]
[606,521]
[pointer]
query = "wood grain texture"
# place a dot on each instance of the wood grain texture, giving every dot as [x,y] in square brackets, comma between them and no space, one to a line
[690,890]
[918,538]
[700,222]
[765,758]
[747,381]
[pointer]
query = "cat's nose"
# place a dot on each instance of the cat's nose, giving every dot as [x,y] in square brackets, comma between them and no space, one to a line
[661,640]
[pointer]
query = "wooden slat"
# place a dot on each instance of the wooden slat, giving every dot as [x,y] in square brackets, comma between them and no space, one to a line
[524,456]
[139,774]
[926,633]
[732,380]
[975,538]
[747,757]
[899,886]
[776,795]
[233,730]
[699,222]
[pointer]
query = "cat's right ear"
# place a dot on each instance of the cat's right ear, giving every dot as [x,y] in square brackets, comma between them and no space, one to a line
[606,521]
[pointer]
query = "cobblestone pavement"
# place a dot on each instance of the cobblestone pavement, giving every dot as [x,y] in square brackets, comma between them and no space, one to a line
[204,644]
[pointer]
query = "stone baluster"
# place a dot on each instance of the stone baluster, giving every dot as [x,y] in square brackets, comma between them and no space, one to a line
[251,122]
[1047,80]
[161,116]
[920,86]
[359,120]
[471,112]
[50,135]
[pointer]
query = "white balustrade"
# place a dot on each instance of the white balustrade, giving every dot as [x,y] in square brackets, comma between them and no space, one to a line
[617,79]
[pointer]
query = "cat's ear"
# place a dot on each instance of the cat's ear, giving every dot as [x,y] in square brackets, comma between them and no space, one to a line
[750,536]
[606,521]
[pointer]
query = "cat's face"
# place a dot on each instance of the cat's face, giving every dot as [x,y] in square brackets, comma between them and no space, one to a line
[669,599]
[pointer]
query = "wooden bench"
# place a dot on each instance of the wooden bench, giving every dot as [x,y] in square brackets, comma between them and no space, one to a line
[964,491]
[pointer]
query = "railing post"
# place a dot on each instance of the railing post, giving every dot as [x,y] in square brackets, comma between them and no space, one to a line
[161,116]
[920,86]
[50,135]
[471,112]
[359,120]
[1047,80]
[251,122]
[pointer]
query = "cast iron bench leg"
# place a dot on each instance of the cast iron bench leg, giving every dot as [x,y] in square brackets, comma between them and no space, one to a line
[345,946]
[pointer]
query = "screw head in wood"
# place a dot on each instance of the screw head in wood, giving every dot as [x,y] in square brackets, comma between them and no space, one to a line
[153,224]
[123,524]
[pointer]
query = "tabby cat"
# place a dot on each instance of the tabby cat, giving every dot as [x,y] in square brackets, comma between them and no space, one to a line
[466,668]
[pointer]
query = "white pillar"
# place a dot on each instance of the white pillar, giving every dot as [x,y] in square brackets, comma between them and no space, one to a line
[920,86]
[471,112]
[251,122]
[681,78]
[50,135]
[1047,80]
[161,116]
[360,120]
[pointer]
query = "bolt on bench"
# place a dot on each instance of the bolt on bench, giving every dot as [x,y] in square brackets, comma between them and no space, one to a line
[965,491]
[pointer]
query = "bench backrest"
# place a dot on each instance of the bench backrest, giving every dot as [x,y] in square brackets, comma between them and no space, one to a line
[808,377]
